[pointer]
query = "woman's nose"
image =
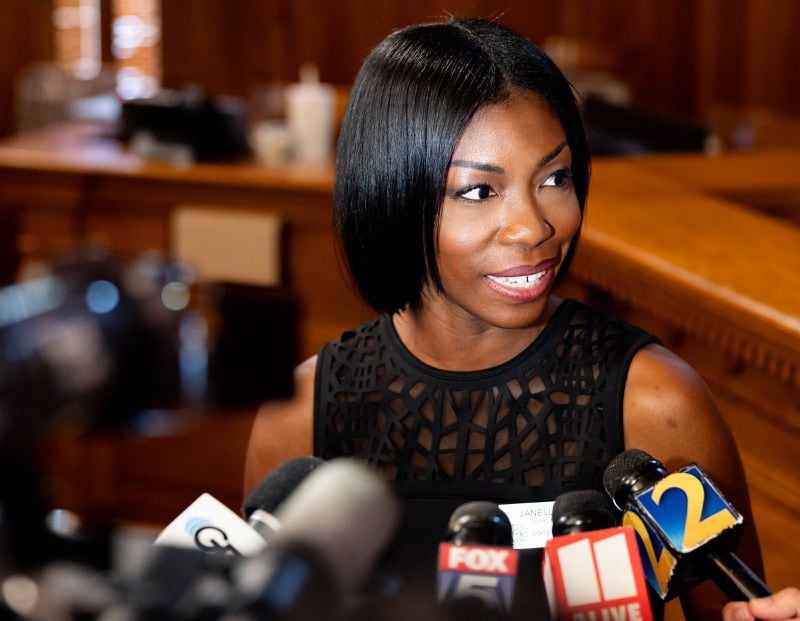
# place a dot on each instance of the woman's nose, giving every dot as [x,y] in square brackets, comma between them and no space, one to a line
[526,225]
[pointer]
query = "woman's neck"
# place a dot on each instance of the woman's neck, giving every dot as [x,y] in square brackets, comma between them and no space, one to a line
[445,342]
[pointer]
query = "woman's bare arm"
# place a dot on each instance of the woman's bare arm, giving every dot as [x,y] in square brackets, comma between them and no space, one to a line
[282,429]
[671,414]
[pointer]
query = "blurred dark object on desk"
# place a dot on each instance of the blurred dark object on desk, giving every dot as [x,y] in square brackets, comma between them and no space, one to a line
[629,129]
[749,127]
[186,126]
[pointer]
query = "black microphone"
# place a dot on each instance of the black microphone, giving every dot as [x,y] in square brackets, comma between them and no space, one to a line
[260,505]
[476,560]
[591,568]
[686,528]
[581,511]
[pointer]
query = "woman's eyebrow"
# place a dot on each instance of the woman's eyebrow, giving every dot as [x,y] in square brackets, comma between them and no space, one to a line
[478,166]
[550,156]
[492,168]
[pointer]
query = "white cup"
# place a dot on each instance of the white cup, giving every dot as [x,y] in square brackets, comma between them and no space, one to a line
[310,111]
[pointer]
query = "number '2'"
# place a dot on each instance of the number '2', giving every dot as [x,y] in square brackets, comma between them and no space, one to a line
[696,530]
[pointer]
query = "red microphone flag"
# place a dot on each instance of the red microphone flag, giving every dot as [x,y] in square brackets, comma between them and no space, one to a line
[596,576]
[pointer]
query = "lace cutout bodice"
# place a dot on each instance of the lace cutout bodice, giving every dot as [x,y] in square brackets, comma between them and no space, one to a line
[547,420]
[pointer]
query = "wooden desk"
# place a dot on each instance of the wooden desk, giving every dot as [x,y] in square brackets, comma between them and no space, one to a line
[686,246]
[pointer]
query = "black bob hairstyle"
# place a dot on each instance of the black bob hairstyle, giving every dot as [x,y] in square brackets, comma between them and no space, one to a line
[411,101]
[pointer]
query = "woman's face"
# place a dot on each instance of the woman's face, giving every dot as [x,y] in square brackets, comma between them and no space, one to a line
[509,215]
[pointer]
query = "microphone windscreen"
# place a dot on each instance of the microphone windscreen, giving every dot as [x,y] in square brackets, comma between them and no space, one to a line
[475,511]
[619,468]
[347,513]
[479,522]
[629,473]
[279,484]
[581,511]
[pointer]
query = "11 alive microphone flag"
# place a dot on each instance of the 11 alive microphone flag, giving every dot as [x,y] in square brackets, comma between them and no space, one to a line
[485,572]
[596,576]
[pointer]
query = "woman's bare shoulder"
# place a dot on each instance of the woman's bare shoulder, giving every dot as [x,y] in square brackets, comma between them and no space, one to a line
[670,413]
[282,429]
[669,409]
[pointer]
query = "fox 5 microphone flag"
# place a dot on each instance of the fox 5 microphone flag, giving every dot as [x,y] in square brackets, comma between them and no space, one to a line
[486,572]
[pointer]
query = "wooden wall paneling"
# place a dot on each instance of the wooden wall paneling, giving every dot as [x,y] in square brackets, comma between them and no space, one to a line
[706,42]
[371,22]
[731,67]
[25,30]
[260,46]
[196,39]
[536,20]
[773,46]
[667,75]
[227,48]
[679,56]
[315,38]
[647,45]
[338,36]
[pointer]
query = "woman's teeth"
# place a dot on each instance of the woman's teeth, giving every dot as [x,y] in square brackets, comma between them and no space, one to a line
[518,282]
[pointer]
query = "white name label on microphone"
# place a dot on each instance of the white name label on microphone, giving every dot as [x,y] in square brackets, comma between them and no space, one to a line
[531,523]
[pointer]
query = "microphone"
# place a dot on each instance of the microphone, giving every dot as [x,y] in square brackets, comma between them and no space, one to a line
[334,525]
[209,526]
[346,511]
[591,568]
[477,560]
[686,529]
[259,507]
[333,529]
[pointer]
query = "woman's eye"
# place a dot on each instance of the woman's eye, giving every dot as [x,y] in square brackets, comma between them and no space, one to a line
[560,178]
[476,192]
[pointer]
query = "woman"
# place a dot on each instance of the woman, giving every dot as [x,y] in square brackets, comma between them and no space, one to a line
[461,178]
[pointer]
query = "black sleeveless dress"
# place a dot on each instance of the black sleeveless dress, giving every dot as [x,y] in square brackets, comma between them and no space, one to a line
[546,421]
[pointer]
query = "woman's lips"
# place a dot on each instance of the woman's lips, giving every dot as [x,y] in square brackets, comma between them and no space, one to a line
[526,270]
